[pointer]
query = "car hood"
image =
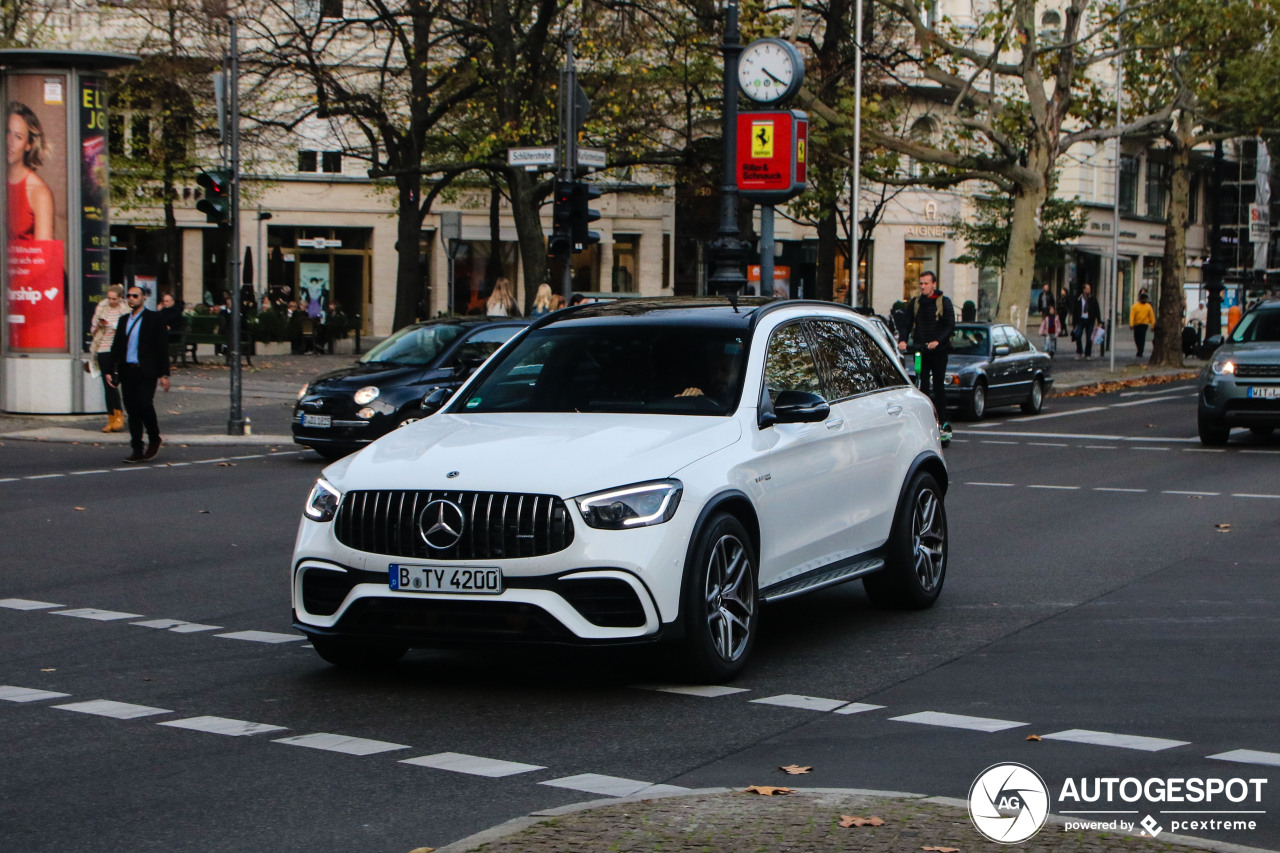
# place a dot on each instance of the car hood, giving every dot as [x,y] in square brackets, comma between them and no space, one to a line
[1262,352]
[960,362]
[562,454]
[357,375]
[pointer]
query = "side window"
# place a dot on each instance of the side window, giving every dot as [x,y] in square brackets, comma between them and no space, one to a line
[841,359]
[1017,342]
[789,364]
[881,364]
[483,344]
[998,338]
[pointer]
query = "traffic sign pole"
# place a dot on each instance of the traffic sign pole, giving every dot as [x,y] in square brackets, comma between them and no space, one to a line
[236,419]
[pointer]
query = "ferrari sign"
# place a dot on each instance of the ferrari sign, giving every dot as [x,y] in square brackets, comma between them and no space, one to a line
[771,155]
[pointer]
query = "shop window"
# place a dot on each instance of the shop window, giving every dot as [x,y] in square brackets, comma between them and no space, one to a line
[626,272]
[919,258]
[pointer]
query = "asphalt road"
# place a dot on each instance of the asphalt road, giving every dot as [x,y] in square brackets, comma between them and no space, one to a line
[1090,590]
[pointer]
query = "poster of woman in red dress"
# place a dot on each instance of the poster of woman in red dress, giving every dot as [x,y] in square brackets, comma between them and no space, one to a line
[37,298]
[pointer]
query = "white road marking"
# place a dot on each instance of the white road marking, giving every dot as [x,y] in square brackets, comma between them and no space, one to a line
[1149,448]
[97,471]
[473,765]
[1249,756]
[1269,452]
[207,461]
[1064,488]
[709,691]
[262,637]
[1117,489]
[610,786]
[116,710]
[1165,390]
[1202,494]
[806,703]
[96,614]
[1093,437]
[27,694]
[1100,447]
[1244,495]
[1046,444]
[959,721]
[1140,402]
[1203,450]
[1056,415]
[223,726]
[1146,744]
[1002,485]
[986,441]
[26,604]
[177,626]
[341,743]
[43,476]
[857,708]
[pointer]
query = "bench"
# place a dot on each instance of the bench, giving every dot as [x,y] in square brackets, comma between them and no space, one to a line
[204,329]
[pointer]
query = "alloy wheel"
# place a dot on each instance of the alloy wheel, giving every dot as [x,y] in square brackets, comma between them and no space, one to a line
[730,598]
[928,539]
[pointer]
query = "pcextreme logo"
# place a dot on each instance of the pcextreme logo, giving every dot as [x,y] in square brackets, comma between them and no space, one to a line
[1008,803]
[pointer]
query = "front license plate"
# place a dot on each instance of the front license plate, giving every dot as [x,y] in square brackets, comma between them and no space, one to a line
[469,580]
[322,421]
[1268,393]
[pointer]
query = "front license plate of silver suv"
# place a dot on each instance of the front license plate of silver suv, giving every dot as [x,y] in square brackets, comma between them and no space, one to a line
[470,580]
[1264,393]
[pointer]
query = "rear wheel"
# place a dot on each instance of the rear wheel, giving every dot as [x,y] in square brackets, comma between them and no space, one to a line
[976,406]
[357,654]
[1212,434]
[1035,400]
[916,564]
[721,603]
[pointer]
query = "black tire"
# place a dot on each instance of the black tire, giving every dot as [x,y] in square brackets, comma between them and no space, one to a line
[1261,431]
[357,654]
[1035,400]
[916,562]
[721,601]
[976,406]
[1211,434]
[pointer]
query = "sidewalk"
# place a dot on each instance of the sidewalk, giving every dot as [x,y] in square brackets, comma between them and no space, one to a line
[806,821]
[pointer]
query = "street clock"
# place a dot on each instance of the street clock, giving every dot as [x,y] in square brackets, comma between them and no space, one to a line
[770,70]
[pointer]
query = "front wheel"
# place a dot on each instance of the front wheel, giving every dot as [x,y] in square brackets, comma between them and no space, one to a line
[1035,400]
[721,604]
[1211,434]
[976,406]
[916,564]
[357,654]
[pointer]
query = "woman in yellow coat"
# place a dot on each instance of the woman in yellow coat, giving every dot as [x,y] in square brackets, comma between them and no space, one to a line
[1141,317]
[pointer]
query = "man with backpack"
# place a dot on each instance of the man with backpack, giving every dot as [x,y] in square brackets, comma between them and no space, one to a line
[933,318]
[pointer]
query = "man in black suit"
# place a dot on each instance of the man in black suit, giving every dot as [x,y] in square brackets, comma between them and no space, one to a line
[140,354]
[1085,314]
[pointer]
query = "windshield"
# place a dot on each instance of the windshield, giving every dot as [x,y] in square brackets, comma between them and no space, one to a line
[414,344]
[1258,326]
[610,368]
[970,340]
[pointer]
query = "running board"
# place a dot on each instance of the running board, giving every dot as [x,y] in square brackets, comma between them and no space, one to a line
[821,578]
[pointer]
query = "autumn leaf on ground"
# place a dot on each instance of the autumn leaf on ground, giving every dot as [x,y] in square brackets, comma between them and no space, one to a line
[79,509]
[422,850]
[206,512]
[1224,527]
[226,464]
[1033,737]
[848,820]
[768,790]
[795,769]
[942,849]
[50,669]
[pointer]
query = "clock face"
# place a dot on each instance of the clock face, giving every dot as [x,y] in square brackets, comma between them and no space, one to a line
[769,70]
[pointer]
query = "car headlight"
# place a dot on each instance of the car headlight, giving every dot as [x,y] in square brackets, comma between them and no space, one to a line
[323,503]
[366,395]
[631,506]
[951,379]
[302,392]
[1223,366]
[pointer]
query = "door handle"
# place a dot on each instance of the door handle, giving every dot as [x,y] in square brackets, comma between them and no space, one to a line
[894,409]
[835,424]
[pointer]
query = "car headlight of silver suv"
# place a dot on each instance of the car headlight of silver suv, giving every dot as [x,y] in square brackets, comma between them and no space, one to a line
[641,505]
[323,503]
[1223,365]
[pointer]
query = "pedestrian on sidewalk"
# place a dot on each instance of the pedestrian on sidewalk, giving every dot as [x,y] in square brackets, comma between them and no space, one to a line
[140,359]
[1044,301]
[105,319]
[933,318]
[1141,318]
[1049,331]
[1085,314]
[1100,338]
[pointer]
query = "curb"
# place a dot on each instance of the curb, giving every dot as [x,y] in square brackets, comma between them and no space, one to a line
[505,830]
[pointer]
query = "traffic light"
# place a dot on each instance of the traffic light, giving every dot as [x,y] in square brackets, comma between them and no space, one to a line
[561,242]
[216,204]
[584,215]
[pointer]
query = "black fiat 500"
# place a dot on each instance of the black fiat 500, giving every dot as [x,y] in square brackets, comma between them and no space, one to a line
[343,410]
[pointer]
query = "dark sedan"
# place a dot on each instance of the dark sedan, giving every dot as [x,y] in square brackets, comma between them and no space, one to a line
[345,409]
[993,364]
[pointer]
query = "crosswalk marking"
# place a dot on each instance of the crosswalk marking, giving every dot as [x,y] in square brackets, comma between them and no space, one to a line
[610,786]
[708,691]
[806,703]
[26,604]
[262,637]
[177,626]
[341,743]
[958,721]
[10,693]
[857,708]
[473,765]
[1146,744]
[223,726]
[96,614]
[1249,756]
[116,710]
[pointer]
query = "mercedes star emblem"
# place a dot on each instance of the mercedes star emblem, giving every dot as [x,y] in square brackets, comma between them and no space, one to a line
[441,524]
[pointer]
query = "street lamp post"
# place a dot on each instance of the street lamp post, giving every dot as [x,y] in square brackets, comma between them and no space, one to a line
[727,248]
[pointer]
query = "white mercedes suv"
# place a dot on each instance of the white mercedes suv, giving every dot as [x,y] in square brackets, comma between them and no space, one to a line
[630,472]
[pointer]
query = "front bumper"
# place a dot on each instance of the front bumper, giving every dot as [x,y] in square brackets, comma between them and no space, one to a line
[1228,401]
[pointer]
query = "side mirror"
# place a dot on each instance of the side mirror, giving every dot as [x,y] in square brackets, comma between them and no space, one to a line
[1001,350]
[1213,343]
[797,407]
[435,400]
